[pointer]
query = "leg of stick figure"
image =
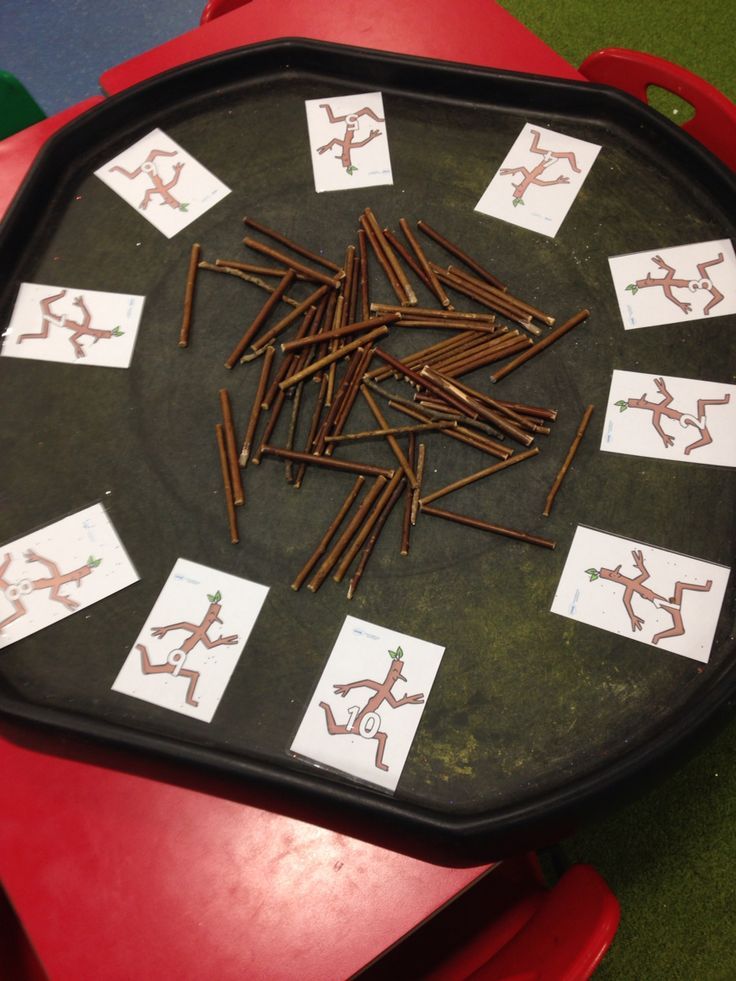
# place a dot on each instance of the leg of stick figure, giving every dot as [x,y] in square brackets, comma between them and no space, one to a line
[149,668]
[678,627]
[381,737]
[193,679]
[20,611]
[332,727]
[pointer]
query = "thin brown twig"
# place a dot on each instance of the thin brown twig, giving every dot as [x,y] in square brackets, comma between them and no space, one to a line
[328,535]
[557,483]
[186,319]
[225,470]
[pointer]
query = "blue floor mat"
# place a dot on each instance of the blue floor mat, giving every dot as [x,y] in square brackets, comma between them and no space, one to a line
[59,48]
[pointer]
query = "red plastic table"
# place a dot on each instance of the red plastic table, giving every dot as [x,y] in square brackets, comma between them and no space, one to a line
[123,868]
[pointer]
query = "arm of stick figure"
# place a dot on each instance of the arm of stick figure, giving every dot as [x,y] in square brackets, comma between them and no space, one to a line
[329,146]
[78,301]
[558,180]
[662,389]
[30,556]
[661,264]
[638,557]
[636,622]
[230,639]
[665,437]
[514,170]
[162,631]
[178,167]
[667,290]
[6,562]
[371,136]
[404,700]
[366,683]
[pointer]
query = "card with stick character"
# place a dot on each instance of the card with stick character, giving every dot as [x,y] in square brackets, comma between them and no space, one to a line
[72,325]
[539,179]
[671,419]
[348,142]
[49,574]
[364,713]
[675,285]
[187,649]
[163,181]
[633,589]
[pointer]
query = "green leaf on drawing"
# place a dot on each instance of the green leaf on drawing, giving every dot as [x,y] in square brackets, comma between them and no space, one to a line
[215,598]
[633,288]
[92,562]
[622,405]
[593,573]
[117,332]
[517,201]
[397,654]
[351,169]
[183,207]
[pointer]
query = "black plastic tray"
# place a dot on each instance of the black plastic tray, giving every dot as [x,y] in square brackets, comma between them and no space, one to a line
[531,715]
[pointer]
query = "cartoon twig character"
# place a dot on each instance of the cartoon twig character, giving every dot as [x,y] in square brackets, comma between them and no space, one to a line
[634,586]
[366,721]
[534,176]
[664,408]
[198,634]
[670,282]
[158,186]
[348,143]
[14,591]
[83,329]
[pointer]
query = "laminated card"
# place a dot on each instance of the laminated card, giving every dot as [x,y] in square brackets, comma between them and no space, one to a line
[364,713]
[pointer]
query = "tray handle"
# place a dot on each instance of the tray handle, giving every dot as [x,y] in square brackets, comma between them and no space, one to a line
[714,122]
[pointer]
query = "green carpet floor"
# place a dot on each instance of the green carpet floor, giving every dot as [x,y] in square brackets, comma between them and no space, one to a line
[670,856]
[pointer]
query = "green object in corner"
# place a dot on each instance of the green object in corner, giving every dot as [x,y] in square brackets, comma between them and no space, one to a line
[18,108]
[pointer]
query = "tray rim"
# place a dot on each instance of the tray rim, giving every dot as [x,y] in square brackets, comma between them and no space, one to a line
[482,828]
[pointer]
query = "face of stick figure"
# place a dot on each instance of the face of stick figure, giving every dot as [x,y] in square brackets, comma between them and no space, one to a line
[352,122]
[395,672]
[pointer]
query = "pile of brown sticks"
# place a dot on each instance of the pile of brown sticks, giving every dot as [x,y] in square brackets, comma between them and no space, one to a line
[340,341]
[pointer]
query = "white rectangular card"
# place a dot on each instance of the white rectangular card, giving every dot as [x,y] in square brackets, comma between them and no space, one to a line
[188,647]
[163,181]
[675,285]
[348,142]
[539,179]
[366,708]
[73,325]
[49,574]
[671,418]
[636,590]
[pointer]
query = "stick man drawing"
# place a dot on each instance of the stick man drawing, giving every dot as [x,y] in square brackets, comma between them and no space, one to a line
[670,282]
[158,186]
[366,721]
[348,143]
[79,329]
[534,176]
[665,409]
[634,586]
[16,591]
[198,634]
